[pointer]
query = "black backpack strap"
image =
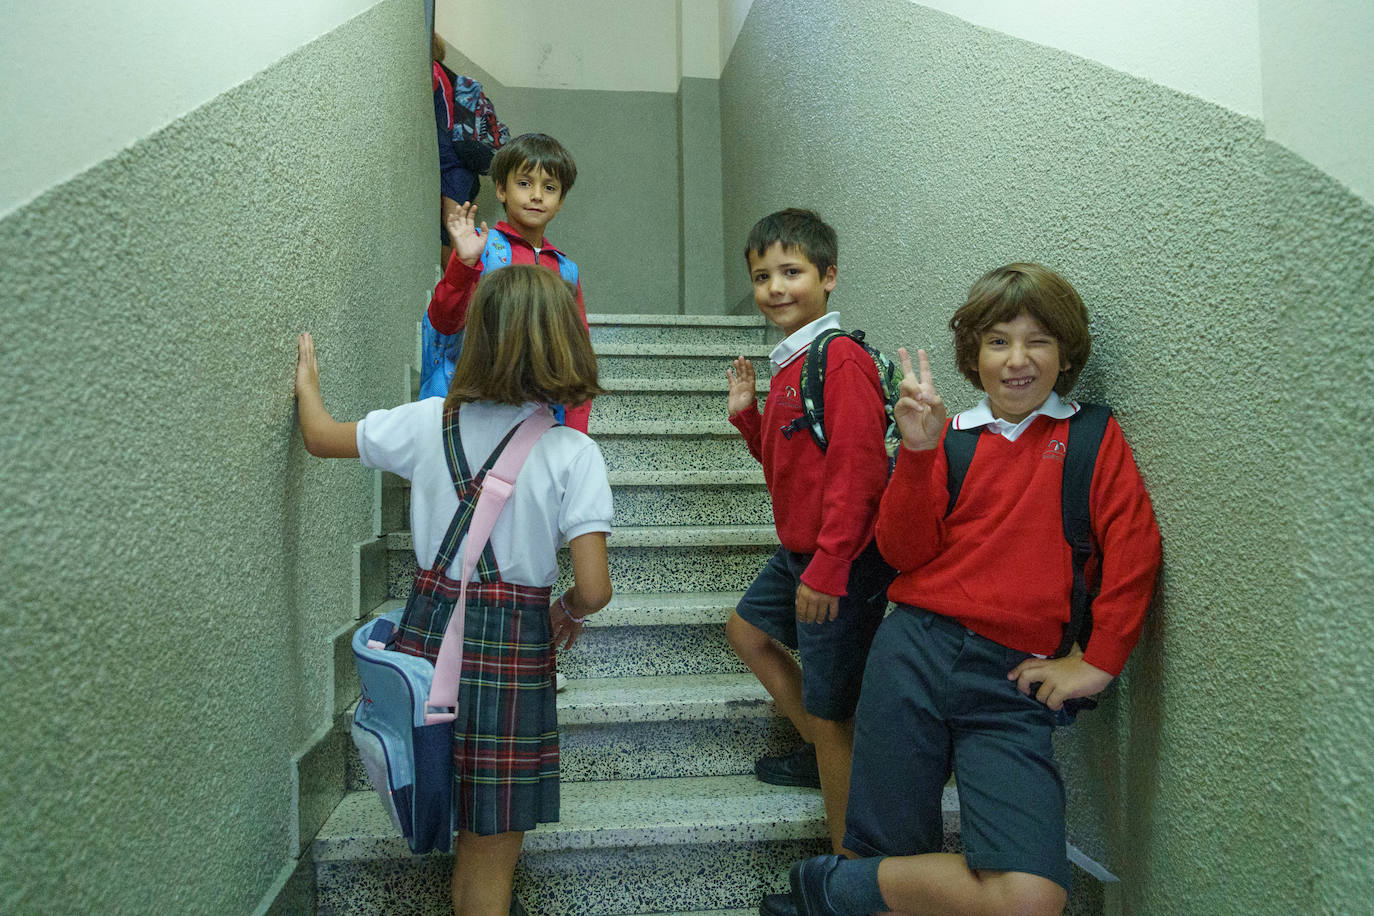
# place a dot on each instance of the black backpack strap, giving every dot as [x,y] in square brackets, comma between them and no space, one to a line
[813,388]
[959,447]
[1086,429]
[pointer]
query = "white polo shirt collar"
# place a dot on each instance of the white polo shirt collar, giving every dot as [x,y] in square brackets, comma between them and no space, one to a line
[1054,407]
[797,342]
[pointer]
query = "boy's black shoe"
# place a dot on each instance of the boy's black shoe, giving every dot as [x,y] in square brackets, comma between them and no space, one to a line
[777,905]
[795,769]
[808,886]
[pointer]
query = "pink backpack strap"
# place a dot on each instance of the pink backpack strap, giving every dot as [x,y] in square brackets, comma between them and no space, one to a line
[497,486]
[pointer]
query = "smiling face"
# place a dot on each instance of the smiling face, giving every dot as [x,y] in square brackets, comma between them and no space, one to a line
[788,289]
[1018,364]
[532,198]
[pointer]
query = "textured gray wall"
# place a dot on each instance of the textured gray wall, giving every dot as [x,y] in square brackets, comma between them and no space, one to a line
[175,561]
[1228,285]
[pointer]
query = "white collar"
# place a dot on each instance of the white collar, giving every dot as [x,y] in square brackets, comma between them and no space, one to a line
[799,340]
[1054,407]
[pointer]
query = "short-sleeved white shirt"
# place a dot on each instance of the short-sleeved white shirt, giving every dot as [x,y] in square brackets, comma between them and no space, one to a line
[562,491]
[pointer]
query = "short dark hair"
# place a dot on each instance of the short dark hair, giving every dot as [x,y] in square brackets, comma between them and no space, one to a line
[803,230]
[524,341]
[1004,293]
[535,151]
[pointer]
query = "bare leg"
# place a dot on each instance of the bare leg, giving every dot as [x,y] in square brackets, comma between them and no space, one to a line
[834,749]
[483,870]
[942,883]
[776,670]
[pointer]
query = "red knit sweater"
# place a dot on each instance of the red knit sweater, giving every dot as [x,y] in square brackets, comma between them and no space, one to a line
[999,563]
[448,308]
[824,502]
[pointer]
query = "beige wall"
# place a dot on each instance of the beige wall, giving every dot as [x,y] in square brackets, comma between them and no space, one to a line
[81,81]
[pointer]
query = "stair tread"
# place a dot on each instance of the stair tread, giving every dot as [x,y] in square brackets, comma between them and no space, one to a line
[615,813]
[708,384]
[742,476]
[662,427]
[663,698]
[724,351]
[721,321]
[637,812]
[657,536]
[666,608]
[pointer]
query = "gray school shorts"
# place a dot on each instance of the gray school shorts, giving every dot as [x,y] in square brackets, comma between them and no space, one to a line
[832,653]
[935,698]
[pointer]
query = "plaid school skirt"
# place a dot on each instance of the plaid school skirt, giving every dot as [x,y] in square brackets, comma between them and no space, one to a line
[505,740]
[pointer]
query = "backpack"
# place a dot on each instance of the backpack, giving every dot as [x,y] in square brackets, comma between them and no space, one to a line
[477,132]
[1086,429]
[402,729]
[439,352]
[813,389]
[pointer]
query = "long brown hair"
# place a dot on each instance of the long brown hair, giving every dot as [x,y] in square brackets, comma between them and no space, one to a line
[524,342]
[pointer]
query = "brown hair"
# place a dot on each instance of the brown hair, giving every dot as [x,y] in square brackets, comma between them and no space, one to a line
[794,228]
[436,47]
[535,151]
[524,341]
[1001,295]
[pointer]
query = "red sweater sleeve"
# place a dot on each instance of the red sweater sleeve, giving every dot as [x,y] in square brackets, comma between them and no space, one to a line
[1129,548]
[448,308]
[911,517]
[750,424]
[855,467]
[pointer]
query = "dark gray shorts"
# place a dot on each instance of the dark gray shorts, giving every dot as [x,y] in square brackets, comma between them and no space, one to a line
[832,653]
[935,698]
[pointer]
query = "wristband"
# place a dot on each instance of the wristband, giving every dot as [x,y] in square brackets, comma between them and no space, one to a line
[564,606]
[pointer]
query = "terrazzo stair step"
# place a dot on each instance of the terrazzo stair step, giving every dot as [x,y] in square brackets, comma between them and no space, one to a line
[662,498]
[654,727]
[621,847]
[672,446]
[648,399]
[643,558]
[685,558]
[690,498]
[669,726]
[674,361]
[728,330]
[655,633]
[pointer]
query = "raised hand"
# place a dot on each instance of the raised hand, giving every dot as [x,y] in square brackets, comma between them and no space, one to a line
[919,412]
[468,241]
[742,385]
[307,369]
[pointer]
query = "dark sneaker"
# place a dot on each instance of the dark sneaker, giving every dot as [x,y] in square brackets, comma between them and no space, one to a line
[777,905]
[808,886]
[795,769]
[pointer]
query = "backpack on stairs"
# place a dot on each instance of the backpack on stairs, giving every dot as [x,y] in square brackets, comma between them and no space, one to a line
[402,726]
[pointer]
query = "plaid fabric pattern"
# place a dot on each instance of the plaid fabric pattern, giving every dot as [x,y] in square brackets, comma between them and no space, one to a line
[505,740]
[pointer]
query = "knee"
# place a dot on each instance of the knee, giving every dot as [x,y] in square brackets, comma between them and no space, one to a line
[1030,895]
[745,638]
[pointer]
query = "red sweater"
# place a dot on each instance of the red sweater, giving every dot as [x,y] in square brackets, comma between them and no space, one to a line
[999,563]
[448,308]
[824,502]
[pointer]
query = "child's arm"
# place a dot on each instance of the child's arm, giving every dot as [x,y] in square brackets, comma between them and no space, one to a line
[324,436]
[743,404]
[448,308]
[910,515]
[591,589]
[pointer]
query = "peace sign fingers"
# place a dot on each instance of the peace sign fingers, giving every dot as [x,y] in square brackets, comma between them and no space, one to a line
[919,412]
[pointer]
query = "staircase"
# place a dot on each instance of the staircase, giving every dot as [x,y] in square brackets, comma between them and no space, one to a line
[660,722]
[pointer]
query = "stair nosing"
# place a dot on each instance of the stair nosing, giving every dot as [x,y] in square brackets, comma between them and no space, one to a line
[663,698]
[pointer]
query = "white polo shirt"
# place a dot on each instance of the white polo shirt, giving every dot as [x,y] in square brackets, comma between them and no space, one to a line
[1055,407]
[562,491]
